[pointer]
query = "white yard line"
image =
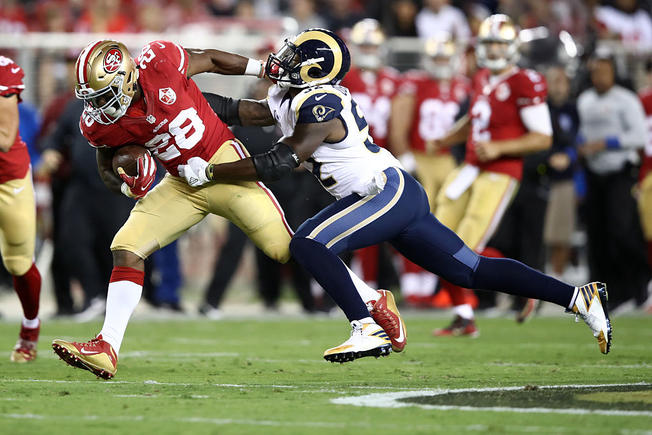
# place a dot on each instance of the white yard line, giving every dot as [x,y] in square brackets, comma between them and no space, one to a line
[391,400]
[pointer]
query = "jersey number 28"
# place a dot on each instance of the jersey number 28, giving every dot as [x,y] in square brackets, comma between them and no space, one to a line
[186,130]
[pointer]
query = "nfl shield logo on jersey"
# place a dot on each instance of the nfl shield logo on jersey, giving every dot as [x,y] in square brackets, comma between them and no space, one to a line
[167,96]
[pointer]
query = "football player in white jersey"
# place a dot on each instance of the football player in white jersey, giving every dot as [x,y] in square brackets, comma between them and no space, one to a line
[325,131]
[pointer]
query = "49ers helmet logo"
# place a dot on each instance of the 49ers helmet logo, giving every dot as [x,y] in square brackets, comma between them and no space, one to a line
[112,60]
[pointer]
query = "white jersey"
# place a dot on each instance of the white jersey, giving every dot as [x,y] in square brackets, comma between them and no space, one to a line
[352,165]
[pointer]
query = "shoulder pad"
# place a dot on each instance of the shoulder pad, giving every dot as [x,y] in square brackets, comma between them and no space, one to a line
[318,105]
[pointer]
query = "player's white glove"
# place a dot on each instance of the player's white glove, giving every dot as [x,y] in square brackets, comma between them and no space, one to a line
[194,172]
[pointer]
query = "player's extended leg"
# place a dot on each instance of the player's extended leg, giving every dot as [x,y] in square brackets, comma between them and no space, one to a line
[348,224]
[17,234]
[430,244]
[158,219]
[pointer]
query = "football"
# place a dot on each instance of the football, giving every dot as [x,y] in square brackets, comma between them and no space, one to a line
[127,158]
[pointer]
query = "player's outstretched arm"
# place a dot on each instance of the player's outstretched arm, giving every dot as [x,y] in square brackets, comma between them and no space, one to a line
[222,62]
[104,158]
[273,165]
[233,111]
[8,121]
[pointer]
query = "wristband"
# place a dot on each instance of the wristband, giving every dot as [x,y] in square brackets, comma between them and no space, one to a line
[254,68]
[126,191]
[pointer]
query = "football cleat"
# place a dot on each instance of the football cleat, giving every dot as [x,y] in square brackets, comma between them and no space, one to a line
[25,348]
[460,326]
[97,356]
[367,339]
[528,309]
[591,305]
[385,313]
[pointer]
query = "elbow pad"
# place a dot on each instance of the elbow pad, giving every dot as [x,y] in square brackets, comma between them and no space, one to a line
[224,107]
[275,163]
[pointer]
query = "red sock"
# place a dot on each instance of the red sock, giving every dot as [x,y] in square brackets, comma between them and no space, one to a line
[458,296]
[409,267]
[28,287]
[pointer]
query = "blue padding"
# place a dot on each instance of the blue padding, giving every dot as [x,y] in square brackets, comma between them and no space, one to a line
[467,257]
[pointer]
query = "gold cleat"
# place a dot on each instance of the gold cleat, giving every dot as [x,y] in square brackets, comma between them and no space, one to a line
[591,305]
[367,339]
[97,356]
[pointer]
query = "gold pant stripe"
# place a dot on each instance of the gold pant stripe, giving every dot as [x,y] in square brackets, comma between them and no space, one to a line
[374,216]
[314,233]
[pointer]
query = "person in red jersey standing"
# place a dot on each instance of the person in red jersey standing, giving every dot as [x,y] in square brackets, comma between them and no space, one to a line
[18,211]
[428,104]
[373,86]
[508,118]
[645,199]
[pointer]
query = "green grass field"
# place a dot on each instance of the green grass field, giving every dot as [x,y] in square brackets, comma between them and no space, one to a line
[268,376]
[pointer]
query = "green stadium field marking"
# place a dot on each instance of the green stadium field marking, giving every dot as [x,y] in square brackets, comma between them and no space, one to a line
[186,384]
[399,399]
[283,423]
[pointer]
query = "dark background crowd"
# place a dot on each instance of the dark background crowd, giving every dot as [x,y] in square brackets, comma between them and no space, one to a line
[579,214]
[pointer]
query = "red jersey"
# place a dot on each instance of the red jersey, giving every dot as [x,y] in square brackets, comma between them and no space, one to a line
[495,113]
[14,164]
[646,99]
[174,120]
[436,105]
[373,92]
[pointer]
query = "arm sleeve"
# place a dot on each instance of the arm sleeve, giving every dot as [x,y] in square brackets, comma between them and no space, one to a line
[318,107]
[536,118]
[533,89]
[11,78]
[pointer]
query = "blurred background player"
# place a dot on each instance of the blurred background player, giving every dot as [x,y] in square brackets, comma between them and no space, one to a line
[428,104]
[18,211]
[373,86]
[561,213]
[612,131]
[645,180]
[508,118]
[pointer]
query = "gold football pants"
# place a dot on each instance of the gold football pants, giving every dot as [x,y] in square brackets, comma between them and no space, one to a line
[172,207]
[17,224]
[432,170]
[476,213]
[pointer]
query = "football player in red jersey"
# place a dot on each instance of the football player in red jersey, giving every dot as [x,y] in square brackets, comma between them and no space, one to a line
[426,108]
[508,118]
[373,86]
[645,198]
[18,211]
[151,100]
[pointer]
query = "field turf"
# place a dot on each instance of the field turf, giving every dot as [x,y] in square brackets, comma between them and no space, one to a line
[267,376]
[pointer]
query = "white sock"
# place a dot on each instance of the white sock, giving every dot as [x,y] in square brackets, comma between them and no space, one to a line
[31,323]
[366,293]
[465,311]
[121,301]
[367,320]
[572,301]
